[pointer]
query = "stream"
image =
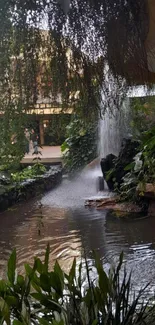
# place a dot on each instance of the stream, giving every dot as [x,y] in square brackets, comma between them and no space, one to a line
[60,219]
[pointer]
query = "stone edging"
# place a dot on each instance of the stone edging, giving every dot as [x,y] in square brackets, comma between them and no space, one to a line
[30,188]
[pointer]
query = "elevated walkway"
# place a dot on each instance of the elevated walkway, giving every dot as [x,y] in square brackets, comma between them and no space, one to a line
[49,155]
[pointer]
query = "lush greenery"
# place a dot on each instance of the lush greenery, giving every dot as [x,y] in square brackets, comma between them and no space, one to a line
[13,138]
[68,59]
[134,167]
[41,296]
[141,169]
[28,173]
[56,129]
[80,146]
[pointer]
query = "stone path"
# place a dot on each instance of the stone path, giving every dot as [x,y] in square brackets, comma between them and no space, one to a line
[50,154]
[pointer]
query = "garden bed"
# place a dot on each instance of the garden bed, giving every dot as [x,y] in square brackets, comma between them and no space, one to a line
[26,189]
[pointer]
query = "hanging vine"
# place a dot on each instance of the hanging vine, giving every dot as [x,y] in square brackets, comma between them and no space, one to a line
[51,48]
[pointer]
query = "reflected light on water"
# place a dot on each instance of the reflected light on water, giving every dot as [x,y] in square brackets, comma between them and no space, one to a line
[70,229]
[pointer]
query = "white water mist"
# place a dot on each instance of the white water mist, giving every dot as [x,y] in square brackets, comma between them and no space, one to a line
[113,127]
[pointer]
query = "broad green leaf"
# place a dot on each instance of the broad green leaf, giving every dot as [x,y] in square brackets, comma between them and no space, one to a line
[103,278]
[43,321]
[17,322]
[38,296]
[56,322]
[79,277]
[64,146]
[39,265]
[35,286]
[12,267]
[29,271]
[95,322]
[58,270]
[3,286]
[11,301]
[45,282]
[129,166]
[56,283]
[20,280]
[25,313]
[72,272]
[47,258]
[5,312]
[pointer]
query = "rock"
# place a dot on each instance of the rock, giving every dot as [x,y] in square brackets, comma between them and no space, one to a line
[121,209]
[117,164]
[14,193]
[151,208]
[4,178]
[107,164]
[148,190]
[100,183]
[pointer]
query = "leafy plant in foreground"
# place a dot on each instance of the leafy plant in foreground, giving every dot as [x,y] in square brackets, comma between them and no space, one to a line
[53,297]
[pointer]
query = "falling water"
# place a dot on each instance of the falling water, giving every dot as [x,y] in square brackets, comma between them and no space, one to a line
[116,125]
[113,128]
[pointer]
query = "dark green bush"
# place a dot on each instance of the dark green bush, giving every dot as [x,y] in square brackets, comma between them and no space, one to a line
[80,147]
[53,297]
[56,129]
[28,172]
[142,168]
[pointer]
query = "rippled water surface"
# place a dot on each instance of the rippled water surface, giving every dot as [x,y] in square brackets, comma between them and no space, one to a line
[61,219]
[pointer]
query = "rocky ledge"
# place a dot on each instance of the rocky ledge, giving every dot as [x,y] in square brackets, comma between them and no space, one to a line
[112,203]
[147,191]
[13,193]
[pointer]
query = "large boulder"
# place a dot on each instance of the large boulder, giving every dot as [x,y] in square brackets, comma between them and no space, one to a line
[115,166]
[108,164]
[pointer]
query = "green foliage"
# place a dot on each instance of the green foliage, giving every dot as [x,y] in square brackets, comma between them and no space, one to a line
[56,129]
[13,139]
[28,172]
[80,147]
[63,59]
[143,116]
[44,297]
[142,168]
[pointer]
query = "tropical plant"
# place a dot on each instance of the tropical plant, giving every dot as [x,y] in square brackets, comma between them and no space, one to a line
[80,146]
[143,116]
[53,297]
[142,168]
[28,172]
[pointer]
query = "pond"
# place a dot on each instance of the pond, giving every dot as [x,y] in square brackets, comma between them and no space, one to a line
[60,218]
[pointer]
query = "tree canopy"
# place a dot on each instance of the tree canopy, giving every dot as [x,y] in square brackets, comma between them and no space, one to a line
[51,47]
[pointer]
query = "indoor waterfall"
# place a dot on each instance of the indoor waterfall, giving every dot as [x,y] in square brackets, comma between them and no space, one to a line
[113,127]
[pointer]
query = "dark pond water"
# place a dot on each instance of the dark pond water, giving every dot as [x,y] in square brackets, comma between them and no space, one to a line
[61,219]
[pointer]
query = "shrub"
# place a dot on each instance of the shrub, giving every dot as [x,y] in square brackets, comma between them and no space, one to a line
[80,147]
[56,129]
[141,169]
[29,172]
[54,297]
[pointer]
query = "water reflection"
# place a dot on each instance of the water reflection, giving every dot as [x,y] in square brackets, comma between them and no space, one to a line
[70,229]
